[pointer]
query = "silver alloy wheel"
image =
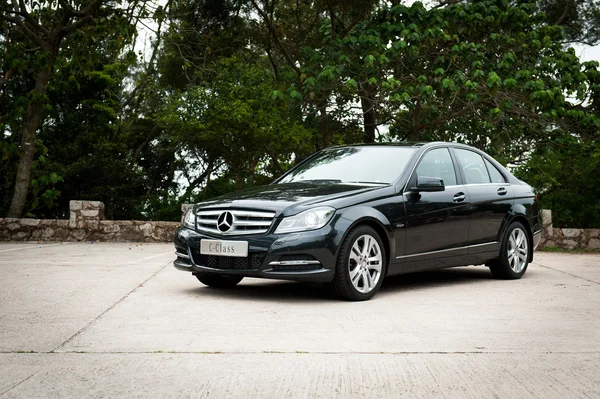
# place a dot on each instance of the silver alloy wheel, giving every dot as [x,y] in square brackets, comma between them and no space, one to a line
[365,263]
[517,250]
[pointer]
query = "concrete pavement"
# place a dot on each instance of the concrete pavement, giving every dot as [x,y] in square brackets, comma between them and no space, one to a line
[107,319]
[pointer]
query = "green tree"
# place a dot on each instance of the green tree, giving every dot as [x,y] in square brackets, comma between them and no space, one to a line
[45,25]
[579,18]
[565,172]
[290,33]
[233,93]
[478,66]
[236,127]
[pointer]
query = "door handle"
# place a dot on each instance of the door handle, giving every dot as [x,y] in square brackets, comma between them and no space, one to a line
[501,191]
[459,197]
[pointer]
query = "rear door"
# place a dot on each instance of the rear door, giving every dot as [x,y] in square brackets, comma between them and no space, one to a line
[437,223]
[491,199]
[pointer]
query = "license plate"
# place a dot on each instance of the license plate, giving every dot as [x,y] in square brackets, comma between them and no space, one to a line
[224,248]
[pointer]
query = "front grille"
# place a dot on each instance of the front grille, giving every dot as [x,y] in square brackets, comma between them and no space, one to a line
[244,222]
[251,262]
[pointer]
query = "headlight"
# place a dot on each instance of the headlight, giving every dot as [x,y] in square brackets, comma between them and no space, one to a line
[189,220]
[308,220]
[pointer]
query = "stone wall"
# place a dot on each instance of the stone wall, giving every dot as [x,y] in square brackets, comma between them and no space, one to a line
[567,238]
[86,223]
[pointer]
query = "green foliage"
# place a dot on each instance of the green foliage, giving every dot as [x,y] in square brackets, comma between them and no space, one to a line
[78,145]
[579,18]
[427,68]
[490,74]
[85,143]
[566,174]
[233,93]
[236,122]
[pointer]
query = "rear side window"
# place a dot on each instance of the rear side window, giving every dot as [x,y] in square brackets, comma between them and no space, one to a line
[473,167]
[438,163]
[495,174]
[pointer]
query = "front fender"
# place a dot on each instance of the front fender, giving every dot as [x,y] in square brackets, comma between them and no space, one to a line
[360,213]
[354,216]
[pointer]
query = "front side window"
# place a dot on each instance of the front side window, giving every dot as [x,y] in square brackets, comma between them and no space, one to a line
[369,164]
[437,163]
[473,167]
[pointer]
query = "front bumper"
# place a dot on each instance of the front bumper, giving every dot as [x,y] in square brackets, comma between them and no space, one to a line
[307,256]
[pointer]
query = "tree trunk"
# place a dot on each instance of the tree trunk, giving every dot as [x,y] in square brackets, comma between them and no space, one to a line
[30,125]
[414,134]
[324,125]
[369,117]
[415,131]
[251,168]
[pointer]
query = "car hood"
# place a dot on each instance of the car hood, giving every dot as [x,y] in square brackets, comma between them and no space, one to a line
[290,198]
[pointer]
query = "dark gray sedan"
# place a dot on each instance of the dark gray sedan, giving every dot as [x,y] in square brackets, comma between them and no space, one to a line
[349,216]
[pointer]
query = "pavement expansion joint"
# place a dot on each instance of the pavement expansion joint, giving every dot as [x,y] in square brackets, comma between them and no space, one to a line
[333,353]
[18,383]
[567,273]
[42,245]
[109,309]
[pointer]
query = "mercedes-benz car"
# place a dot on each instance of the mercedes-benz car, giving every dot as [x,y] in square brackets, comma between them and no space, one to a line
[349,216]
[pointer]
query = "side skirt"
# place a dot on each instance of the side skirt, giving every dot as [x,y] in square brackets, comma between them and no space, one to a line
[413,264]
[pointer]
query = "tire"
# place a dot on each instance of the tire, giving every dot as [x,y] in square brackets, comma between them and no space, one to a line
[512,263]
[356,277]
[218,280]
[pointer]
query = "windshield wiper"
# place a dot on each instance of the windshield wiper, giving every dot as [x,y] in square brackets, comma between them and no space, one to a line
[340,181]
[369,182]
[320,181]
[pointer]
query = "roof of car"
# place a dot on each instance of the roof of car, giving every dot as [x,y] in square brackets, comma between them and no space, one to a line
[398,144]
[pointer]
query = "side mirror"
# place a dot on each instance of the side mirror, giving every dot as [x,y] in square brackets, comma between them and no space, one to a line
[429,184]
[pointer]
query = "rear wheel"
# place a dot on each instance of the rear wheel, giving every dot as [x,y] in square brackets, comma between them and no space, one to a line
[514,254]
[218,280]
[360,265]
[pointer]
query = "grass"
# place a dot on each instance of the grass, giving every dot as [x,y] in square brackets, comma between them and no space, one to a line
[576,250]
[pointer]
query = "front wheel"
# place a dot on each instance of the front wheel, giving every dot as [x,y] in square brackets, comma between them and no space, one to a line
[218,280]
[360,266]
[514,254]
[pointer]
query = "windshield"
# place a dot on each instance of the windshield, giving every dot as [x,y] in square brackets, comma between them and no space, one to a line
[372,164]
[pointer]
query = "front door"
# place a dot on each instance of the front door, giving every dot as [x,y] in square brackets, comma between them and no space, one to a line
[437,223]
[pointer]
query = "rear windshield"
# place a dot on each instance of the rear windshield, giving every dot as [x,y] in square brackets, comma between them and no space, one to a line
[373,164]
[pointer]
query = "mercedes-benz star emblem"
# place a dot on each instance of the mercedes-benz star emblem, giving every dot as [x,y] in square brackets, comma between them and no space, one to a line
[224,221]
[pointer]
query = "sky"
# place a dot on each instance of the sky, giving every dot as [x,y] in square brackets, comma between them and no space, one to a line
[588,53]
